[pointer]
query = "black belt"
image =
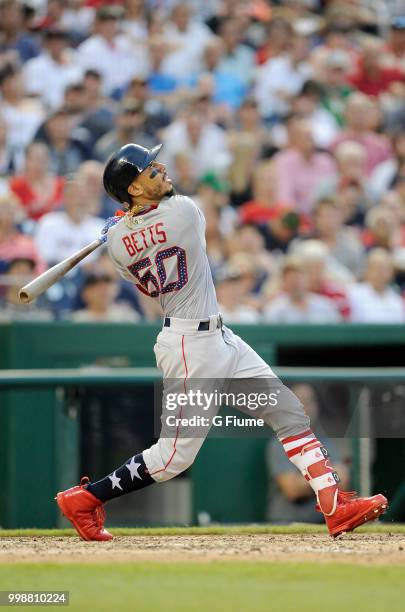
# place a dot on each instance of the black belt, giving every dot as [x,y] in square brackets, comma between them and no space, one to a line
[202,326]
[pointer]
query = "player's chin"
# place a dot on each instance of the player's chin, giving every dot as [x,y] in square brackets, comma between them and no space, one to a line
[169,190]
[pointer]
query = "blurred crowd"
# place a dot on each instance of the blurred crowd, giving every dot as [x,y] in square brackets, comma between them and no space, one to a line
[283,119]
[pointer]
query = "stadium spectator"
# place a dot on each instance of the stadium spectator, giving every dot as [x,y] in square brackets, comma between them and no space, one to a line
[234,283]
[297,304]
[375,301]
[280,79]
[239,59]
[204,143]
[20,271]
[130,127]
[335,85]
[186,38]
[61,233]
[384,175]
[350,183]
[342,242]
[98,293]
[289,496]
[53,70]
[247,142]
[300,169]
[109,52]
[8,160]
[13,243]
[23,115]
[38,189]
[277,41]
[326,276]
[360,112]
[66,152]
[13,38]
[371,77]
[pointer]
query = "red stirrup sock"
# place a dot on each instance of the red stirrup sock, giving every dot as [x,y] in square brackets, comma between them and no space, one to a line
[312,460]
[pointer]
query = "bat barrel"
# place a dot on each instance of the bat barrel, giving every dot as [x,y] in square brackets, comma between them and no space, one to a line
[40,284]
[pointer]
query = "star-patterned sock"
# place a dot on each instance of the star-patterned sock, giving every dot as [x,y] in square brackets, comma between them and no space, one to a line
[129,477]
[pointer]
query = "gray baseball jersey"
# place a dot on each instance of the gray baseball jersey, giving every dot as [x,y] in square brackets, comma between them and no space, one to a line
[164,253]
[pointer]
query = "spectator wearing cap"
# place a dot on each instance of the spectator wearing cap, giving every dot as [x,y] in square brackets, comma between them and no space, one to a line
[60,234]
[186,38]
[375,301]
[200,139]
[23,115]
[13,37]
[65,151]
[109,52]
[20,271]
[280,79]
[130,123]
[13,243]
[297,304]
[98,293]
[371,77]
[53,70]
[234,284]
[38,189]
[360,127]
[299,169]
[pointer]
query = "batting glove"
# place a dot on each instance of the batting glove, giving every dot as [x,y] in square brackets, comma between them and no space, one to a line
[111,221]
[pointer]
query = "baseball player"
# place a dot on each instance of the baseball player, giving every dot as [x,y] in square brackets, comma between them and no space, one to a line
[159,244]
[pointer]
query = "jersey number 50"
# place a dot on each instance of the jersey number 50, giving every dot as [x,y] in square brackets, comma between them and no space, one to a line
[159,284]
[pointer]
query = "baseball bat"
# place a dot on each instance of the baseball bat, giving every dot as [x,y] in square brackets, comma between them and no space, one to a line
[50,277]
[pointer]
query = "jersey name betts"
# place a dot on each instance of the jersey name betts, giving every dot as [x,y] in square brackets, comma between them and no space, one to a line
[164,254]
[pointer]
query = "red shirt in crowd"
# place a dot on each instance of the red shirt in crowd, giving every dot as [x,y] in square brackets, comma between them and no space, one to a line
[377,83]
[34,204]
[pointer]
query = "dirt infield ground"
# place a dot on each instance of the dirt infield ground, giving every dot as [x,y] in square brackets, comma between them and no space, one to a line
[384,548]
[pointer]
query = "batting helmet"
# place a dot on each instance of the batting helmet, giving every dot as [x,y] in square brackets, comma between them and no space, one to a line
[124,166]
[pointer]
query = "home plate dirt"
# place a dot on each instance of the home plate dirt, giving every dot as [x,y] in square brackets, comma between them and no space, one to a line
[374,548]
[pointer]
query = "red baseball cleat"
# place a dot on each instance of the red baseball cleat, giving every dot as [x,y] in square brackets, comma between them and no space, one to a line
[353,511]
[84,511]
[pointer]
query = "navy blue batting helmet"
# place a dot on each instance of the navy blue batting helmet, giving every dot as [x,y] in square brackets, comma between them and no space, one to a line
[124,166]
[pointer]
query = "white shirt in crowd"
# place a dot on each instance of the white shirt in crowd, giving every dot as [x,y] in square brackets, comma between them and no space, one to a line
[210,153]
[46,78]
[368,306]
[57,237]
[185,60]
[22,122]
[318,309]
[275,76]
[240,314]
[116,62]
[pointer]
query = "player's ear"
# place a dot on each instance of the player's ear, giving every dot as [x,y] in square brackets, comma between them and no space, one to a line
[135,190]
